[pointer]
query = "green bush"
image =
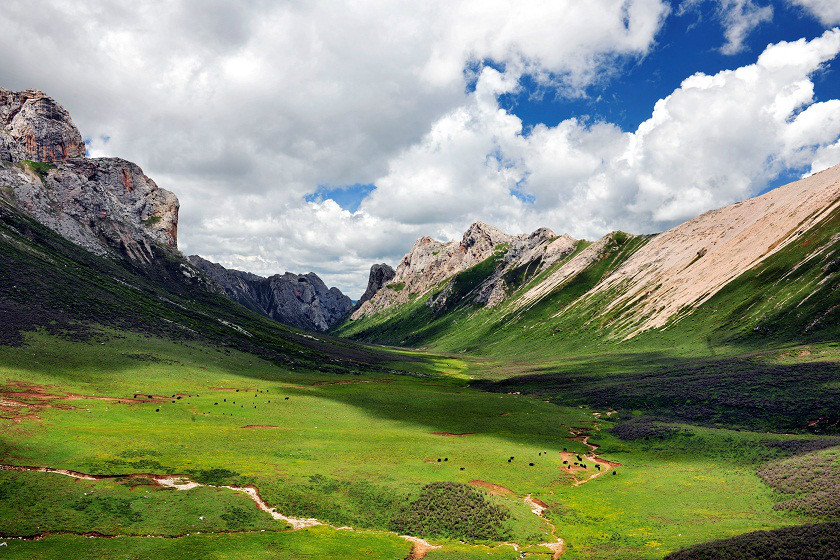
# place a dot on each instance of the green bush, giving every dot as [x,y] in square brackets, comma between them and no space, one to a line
[452,510]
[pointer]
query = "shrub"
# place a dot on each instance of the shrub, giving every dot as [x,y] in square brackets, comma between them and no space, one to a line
[812,481]
[805,542]
[452,510]
[644,427]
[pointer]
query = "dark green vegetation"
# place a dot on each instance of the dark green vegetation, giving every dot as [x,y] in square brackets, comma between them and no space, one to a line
[809,542]
[34,503]
[40,168]
[452,510]
[744,393]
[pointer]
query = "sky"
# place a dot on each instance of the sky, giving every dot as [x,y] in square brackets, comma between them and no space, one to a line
[326,136]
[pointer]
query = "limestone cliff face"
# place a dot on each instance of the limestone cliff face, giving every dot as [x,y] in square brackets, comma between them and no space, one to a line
[431,264]
[37,128]
[106,205]
[301,301]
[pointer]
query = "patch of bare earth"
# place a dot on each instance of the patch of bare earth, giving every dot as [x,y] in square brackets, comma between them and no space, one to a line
[494,489]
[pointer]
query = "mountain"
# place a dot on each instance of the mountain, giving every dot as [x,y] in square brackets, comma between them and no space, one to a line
[380,275]
[301,301]
[433,264]
[106,205]
[111,208]
[762,268]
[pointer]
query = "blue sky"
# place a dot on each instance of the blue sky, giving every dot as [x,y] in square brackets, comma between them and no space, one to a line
[689,42]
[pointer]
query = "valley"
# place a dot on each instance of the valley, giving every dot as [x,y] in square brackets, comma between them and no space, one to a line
[348,450]
[499,396]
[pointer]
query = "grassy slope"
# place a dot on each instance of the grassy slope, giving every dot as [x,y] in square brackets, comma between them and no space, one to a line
[48,281]
[790,298]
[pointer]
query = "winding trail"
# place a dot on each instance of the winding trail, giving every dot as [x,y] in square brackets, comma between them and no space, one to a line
[420,547]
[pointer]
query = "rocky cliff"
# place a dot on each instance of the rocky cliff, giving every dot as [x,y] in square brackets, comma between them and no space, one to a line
[432,264]
[380,275]
[301,301]
[106,205]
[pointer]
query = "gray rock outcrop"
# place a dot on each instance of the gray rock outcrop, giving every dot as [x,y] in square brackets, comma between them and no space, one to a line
[106,205]
[380,275]
[301,301]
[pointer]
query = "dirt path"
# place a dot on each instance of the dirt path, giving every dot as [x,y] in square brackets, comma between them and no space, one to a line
[538,508]
[605,465]
[420,547]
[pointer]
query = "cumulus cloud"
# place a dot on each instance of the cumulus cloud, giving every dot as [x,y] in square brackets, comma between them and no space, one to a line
[242,109]
[714,140]
[827,11]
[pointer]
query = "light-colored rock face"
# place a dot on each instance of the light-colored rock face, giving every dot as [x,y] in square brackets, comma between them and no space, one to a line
[430,263]
[106,205]
[685,266]
[37,128]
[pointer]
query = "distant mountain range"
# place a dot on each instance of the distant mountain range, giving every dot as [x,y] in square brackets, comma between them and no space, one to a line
[764,268]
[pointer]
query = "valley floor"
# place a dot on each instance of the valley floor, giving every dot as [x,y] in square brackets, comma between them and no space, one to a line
[163,438]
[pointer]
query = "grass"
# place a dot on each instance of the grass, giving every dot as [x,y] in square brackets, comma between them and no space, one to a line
[40,168]
[361,437]
[350,450]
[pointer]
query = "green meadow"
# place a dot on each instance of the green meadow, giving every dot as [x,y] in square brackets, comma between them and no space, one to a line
[348,449]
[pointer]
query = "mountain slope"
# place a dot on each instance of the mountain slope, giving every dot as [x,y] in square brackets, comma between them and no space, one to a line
[92,242]
[298,300]
[754,271]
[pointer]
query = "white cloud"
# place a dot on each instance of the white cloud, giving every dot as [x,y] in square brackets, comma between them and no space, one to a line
[715,140]
[739,18]
[827,11]
[243,108]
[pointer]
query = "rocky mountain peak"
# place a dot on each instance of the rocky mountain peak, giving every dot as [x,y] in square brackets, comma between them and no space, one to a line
[380,275]
[430,263]
[299,300]
[106,205]
[37,128]
[480,233]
